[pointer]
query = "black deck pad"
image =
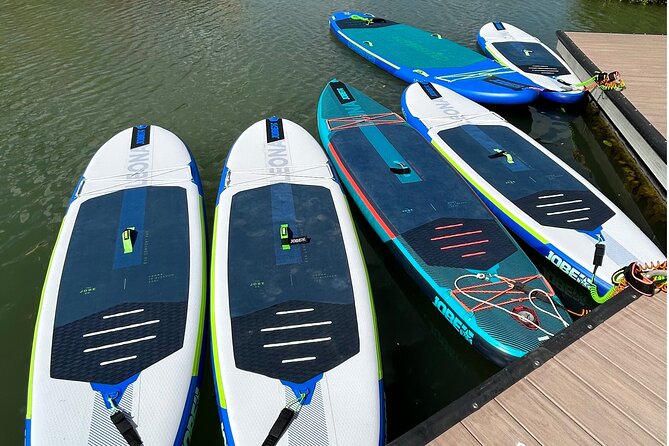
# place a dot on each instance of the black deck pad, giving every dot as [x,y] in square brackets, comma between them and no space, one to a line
[533,181]
[377,22]
[254,350]
[118,313]
[468,243]
[440,191]
[300,298]
[68,362]
[531,58]
[571,209]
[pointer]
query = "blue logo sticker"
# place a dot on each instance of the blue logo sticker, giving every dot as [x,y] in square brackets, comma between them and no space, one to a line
[140,136]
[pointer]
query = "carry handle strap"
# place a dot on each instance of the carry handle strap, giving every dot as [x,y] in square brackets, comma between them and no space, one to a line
[279,427]
[499,153]
[127,237]
[126,428]
[400,168]
[287,238]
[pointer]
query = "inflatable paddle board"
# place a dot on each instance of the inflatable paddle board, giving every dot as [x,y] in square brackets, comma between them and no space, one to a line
[535,194]
[527,55]
[293,327]
[118,336]
[450,243]
[414,55]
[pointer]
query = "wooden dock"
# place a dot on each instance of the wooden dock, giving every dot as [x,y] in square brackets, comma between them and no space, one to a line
[608,387]
[639,112]
[642,62]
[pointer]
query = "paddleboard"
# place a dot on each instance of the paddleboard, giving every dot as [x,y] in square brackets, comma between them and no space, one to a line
[527,55]
[534,193]
[292,323]
[415,55]
[450,243]
[119,330]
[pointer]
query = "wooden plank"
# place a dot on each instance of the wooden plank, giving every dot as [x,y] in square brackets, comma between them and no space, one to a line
[644,333]
[634,343]
[457,435]
[656,303]
[612,345]
[636,401]
[652,313]
[608,387]
[492,425]
[614,41]
[539,416]
[639,75]
[641,60]
[602,421]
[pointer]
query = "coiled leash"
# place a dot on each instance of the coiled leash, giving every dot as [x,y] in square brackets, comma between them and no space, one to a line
[603,80]
[367,20]
[646,279]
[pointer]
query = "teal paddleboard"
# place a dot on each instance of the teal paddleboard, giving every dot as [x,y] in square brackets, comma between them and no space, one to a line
[415,55]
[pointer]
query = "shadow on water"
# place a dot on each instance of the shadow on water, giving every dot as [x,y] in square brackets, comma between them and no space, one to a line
[207,429]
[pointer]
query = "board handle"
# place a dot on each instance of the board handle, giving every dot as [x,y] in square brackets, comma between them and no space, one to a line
[400,169]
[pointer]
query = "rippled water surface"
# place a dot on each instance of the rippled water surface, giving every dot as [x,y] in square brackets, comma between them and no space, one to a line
[72,74]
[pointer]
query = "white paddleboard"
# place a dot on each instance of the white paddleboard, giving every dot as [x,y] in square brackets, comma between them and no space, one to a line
[533,192]
[527,55]
[292,316]
[119,329]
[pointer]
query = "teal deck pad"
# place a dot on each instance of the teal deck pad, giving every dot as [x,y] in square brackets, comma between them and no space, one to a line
[412,47]
[406,205]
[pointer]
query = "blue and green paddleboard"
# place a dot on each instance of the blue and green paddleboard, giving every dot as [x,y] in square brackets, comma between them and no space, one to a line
[532,191]
[527,55]
[295,353]
[449,242]
[116,357]
[415,55]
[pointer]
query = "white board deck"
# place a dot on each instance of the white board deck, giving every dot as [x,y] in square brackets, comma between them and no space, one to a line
[290,319]
[125,326]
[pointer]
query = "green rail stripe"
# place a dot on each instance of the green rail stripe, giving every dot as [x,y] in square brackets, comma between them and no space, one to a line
[495,55]
[371,297]
[214,343]
[534,233]
[203,297]
[29,410]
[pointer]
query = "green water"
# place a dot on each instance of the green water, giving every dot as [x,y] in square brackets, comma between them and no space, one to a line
[72,74]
